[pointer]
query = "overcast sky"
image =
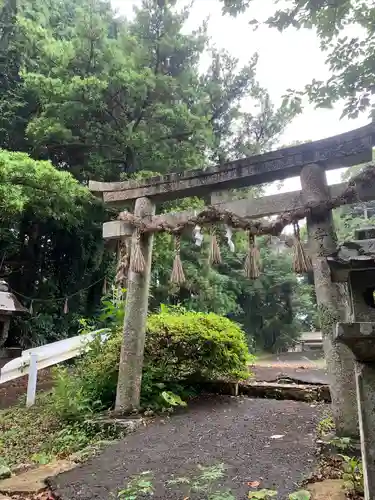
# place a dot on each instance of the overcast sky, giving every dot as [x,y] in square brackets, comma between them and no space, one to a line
[286,60]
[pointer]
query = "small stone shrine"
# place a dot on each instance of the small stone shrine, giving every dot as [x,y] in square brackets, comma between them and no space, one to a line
[9,306]
[354,263]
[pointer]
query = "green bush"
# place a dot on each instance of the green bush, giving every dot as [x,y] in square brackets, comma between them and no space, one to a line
[182,348]
[195,345]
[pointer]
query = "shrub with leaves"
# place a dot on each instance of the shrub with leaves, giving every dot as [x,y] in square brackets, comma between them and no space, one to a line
[195,345]
[352,474]
[182,348]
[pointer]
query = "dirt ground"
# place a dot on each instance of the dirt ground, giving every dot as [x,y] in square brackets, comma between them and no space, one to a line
[307,359]
[267,441]
[12,391]
[304,367]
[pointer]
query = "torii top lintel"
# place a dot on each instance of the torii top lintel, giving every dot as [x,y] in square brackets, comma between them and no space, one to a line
[343,150]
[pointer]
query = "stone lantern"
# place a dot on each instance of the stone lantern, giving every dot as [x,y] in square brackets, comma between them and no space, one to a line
[9,306]
[354,263]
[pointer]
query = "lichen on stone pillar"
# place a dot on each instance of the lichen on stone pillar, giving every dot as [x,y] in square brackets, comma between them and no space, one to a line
[332,299]
[136,308]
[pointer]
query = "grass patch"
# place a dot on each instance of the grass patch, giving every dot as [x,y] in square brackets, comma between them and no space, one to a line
[36,435]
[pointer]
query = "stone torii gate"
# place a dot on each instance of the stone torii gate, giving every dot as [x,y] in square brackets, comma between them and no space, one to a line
[309,161]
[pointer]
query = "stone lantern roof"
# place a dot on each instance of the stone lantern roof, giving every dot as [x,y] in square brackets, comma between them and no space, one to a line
[9,304]
[355,255]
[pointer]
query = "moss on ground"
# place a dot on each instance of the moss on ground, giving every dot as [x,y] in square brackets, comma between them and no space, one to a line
[37,435]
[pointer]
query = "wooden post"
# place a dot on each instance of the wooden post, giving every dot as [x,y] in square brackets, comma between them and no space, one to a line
[332,299]
[131,359]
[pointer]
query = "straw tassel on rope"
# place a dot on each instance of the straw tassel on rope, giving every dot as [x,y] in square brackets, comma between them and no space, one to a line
[252,261]
[122,263]
[177,276]
[301,261]
[214,255]
[138,263]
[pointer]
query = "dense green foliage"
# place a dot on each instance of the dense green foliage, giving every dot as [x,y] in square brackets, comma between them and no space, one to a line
[348,218]
[195,345]
[37,435]
[37,189]
[103,97]
[50,243]
[347,36]
[273,309]
[182,348]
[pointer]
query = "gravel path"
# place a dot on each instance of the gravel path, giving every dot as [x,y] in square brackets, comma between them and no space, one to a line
[234,431]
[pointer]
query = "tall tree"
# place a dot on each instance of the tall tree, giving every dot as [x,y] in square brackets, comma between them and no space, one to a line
[347,35]
[107,98]
[50,245]
[15,103]
[115,97]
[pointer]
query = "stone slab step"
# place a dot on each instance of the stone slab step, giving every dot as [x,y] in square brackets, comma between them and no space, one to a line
[33,481]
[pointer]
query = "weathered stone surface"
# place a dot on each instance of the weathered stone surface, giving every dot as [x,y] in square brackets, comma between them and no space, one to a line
[333,303]
[360,338]
[293,392]
[250,208]
[5,472]
[344,150]
[364,233]
[34,480]
[270,390]
[120,426]
[352,256]
[132,349]
[116,229]
[18,469]
[332,489]
[365,378]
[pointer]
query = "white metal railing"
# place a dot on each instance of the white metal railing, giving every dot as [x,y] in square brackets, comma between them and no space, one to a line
[33,360]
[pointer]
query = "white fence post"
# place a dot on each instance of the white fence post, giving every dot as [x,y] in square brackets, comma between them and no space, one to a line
[42,357]
[31,384]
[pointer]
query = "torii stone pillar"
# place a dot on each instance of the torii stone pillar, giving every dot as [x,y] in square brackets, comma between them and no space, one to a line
[131,359]
[333,304]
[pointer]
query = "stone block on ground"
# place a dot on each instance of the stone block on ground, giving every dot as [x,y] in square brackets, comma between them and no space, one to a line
[33,481]
[332,489]
[296,392]
[116,426]
[5,472]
